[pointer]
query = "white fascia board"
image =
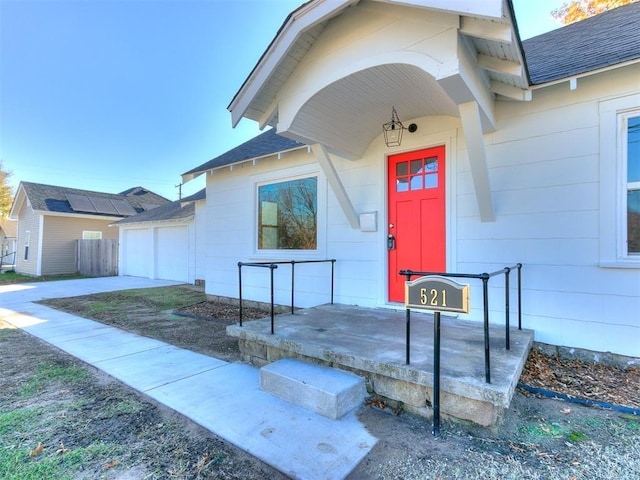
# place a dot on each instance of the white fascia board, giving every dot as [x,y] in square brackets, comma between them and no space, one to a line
[254,160]
[479,8]
[190,176]
[155,223]
[77,215]
[18,201]
[300,20]
[585,74]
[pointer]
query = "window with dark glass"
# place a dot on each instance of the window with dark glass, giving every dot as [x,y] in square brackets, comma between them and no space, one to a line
[287,215]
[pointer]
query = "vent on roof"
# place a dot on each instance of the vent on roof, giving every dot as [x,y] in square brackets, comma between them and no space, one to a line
[149,206]
[106,206]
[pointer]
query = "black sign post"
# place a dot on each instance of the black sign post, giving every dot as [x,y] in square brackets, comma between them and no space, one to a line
[439,294]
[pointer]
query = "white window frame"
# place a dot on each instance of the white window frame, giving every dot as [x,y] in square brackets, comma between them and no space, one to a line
[613,181]
[27,244]
[91,235]
[288,175]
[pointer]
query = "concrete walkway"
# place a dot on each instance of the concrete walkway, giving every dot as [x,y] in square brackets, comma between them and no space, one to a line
[222,397]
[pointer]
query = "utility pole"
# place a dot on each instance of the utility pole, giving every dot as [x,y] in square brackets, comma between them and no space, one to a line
[179,187]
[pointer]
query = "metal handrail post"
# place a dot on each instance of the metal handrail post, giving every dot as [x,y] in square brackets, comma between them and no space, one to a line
[408,336]
[506,305]
[272,267]
[293,265]
[333,262]
[436,374]
[240,289]
[519,297]
[485,299]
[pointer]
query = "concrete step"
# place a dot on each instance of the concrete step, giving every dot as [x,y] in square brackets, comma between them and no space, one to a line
[323,390]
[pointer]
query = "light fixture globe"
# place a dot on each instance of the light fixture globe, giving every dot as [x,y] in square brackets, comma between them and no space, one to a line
[393,130]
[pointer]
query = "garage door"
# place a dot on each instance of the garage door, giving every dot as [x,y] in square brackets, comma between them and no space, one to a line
[172,253]
[136,253]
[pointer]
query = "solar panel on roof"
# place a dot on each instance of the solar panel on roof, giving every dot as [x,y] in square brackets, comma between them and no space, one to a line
[104,205]
[80,203]
[123,207]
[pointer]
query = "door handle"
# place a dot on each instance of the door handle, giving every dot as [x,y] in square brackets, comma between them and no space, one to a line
[391,242]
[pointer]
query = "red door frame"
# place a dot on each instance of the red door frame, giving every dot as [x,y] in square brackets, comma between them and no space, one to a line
[417,215]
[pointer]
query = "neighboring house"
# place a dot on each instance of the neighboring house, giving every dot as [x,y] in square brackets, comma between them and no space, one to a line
[8,243]
[511,152]
[166,242]
[51,219]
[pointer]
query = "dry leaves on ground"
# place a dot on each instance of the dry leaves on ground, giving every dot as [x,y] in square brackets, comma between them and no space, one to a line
[590,381]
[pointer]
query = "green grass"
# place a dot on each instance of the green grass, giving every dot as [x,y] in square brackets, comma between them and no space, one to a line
[22,429]
[166,297]
[125,407]
[9,278]
[16,464]
[49,373]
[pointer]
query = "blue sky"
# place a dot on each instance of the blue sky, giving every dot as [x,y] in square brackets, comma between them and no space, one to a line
[109,94]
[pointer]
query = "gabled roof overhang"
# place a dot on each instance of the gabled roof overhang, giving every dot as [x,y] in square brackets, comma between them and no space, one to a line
[337,67]
[318,82]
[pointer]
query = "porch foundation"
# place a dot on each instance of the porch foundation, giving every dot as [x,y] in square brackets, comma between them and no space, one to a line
[371,343]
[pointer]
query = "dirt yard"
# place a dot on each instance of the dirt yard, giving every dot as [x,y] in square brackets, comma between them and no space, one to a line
[55,412]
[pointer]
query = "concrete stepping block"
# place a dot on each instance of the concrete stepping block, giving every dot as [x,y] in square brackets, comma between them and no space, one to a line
[327,391]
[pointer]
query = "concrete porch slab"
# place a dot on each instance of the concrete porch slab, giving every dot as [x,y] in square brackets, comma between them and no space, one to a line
[371,343]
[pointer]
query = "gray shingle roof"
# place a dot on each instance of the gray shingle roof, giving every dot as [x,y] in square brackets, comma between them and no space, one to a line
[266,143]
[178,210]
[598,42]
[51,198]
[168,211]
[201,195]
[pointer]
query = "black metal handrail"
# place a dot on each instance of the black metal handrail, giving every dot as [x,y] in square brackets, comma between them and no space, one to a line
[272,266]
[485,277]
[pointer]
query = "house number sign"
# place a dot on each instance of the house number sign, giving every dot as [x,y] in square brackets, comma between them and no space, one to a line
[440,294]
[437,293]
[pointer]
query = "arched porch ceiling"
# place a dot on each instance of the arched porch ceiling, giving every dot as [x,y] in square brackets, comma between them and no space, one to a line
[348,114]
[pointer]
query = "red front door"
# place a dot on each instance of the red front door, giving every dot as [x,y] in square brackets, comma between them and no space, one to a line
[416,215]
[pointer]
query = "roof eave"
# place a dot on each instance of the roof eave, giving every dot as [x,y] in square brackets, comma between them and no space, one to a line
[190,176]
[307,15]
[588,73]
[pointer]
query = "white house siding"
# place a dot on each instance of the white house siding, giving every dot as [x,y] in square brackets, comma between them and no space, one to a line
[544,165]
[199,258]
[61,233]
[28,221]
[360,270]
[544,171]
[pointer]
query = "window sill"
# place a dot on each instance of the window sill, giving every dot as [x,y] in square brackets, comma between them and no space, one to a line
[622,263]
